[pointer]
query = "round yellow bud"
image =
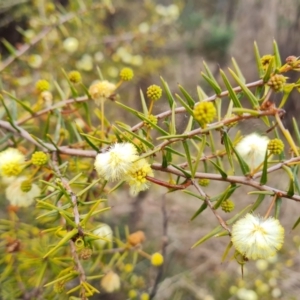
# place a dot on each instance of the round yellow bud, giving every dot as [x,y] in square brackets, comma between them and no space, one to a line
[74,77]
[39,158]
[157,259]
[126,74]
[204,112]
[275,146]
[154,92]
[132,294]
[265,61]
[276,82]
[128,268]
[145,296]
[227,206]
[42,85]
[152,119]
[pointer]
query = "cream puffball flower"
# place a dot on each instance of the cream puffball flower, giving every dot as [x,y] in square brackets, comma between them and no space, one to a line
[110,282]
[136,176]
[256,237]
[11,162]
[252,149]
[116,162]
[105,234]
[101,90]
[17,196]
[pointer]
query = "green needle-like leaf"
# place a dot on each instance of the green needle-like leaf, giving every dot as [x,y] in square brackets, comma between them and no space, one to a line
[259,65]
[64,240]
[188,154]
[278,203]
[277,55]
[168,92]
[187,96]
[222,172]
[232,93]
[248,93]
[264,176]
[199,211]
[258,202]
[212,83]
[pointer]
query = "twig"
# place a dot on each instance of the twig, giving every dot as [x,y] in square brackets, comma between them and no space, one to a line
[232,179]
[66,186]
[169,169]
[270,206]
[46,146]
[209,204]
[51,108]
[164,246]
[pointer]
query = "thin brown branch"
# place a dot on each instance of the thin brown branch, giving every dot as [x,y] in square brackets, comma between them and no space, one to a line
[51,108]
[164,246]
[91,153]
[79,268]
[209,204]
[278,166]
[46,147]
[65,184]
[232,179]
[67,187]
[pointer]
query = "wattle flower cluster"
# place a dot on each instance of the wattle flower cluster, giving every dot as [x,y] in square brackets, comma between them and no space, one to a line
[121,162]
[256,237]
[19,191]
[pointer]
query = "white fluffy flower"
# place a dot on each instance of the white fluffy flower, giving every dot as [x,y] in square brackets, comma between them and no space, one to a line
[256,237]
[116,162]
[18,197]
[105,234]
[136,176]
[252,149]
[11,162]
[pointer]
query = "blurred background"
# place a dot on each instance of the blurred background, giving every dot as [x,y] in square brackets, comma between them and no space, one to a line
[169,39]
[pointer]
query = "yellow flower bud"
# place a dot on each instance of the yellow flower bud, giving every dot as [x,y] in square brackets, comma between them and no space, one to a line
[275,146]
[42,85]
[74,77]
[157,259]
[39,158]
[126,74]
[227,206]
[276,82]
[154,92]
[204,113]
